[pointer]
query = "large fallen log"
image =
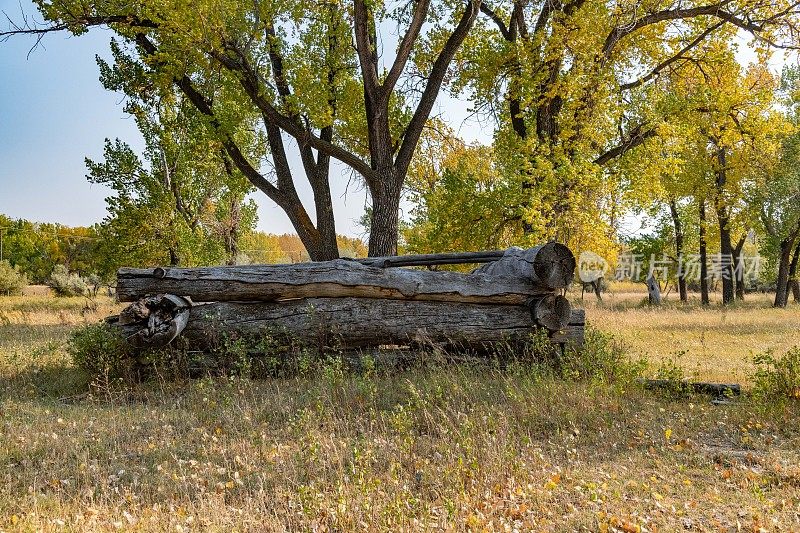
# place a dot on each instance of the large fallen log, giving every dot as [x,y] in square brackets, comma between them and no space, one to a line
[537,274]
[361,322]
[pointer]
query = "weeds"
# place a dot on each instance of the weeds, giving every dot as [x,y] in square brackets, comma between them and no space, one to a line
[777,380]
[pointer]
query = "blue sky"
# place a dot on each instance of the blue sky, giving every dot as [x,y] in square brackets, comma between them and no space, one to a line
[54,113]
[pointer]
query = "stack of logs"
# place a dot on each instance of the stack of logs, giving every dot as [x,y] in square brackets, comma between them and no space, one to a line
[357,304]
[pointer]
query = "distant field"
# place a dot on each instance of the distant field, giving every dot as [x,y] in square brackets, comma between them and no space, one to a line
[712,343]
[458,447]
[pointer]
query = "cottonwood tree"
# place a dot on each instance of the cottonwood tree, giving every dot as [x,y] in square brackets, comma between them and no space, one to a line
[723,124]
[182,202]
[560,77]
[309,77]
[776,197]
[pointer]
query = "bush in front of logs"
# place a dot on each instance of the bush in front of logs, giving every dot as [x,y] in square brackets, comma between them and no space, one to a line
[602,360]
[101,351]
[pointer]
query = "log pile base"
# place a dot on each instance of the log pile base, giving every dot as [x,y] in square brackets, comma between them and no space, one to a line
[344,306]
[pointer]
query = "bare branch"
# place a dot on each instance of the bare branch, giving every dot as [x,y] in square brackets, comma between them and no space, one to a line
[406,45]
[664,64]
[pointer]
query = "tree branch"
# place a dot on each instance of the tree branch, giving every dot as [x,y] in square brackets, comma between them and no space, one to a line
[250,82]
[406,45]
[637,136]
[664,64]
[714,10]
[201,103]
[417,123]
[501,25]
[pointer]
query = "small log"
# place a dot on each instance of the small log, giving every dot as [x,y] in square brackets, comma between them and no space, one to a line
[552,312]
[551,265]
[329,279]
[364,322]
[698,387]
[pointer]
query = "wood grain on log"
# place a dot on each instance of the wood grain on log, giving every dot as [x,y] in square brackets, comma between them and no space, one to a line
[360,322]
[551,265]
[339,278]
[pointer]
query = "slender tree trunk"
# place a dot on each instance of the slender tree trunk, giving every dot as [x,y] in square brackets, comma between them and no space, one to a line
[738,254]
[794,283]
[676,220]
[703,255]
[231,238]
[782,283]
[723,217]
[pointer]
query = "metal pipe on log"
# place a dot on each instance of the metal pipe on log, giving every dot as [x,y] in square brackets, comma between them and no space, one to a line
[331,279]
[362,322]
[449,258]
[551,265]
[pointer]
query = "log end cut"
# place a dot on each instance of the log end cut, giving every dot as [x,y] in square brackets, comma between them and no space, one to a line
[552,312]
[554,265]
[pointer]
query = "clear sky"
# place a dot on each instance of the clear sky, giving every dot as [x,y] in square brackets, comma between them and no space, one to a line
[54,113]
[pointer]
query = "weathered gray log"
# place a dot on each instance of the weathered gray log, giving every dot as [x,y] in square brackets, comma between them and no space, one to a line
[551,265]
[552,312]
[328,279]
[361,322]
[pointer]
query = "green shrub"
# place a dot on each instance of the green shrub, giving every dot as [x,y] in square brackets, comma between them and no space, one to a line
[777,380]
[602,359]
[100,350]
[65,283]
[12,281]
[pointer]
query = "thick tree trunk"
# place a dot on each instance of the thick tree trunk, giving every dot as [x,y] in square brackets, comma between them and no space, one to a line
[329,279]
[794,283]
[704,299]
[676,221]
[174,258]
[738,255]
[383,234]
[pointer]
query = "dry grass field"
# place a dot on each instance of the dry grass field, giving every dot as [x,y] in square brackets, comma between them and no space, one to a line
[713,344]
[438,447]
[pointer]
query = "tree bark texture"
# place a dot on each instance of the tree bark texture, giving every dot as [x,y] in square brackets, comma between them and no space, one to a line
[794,283]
